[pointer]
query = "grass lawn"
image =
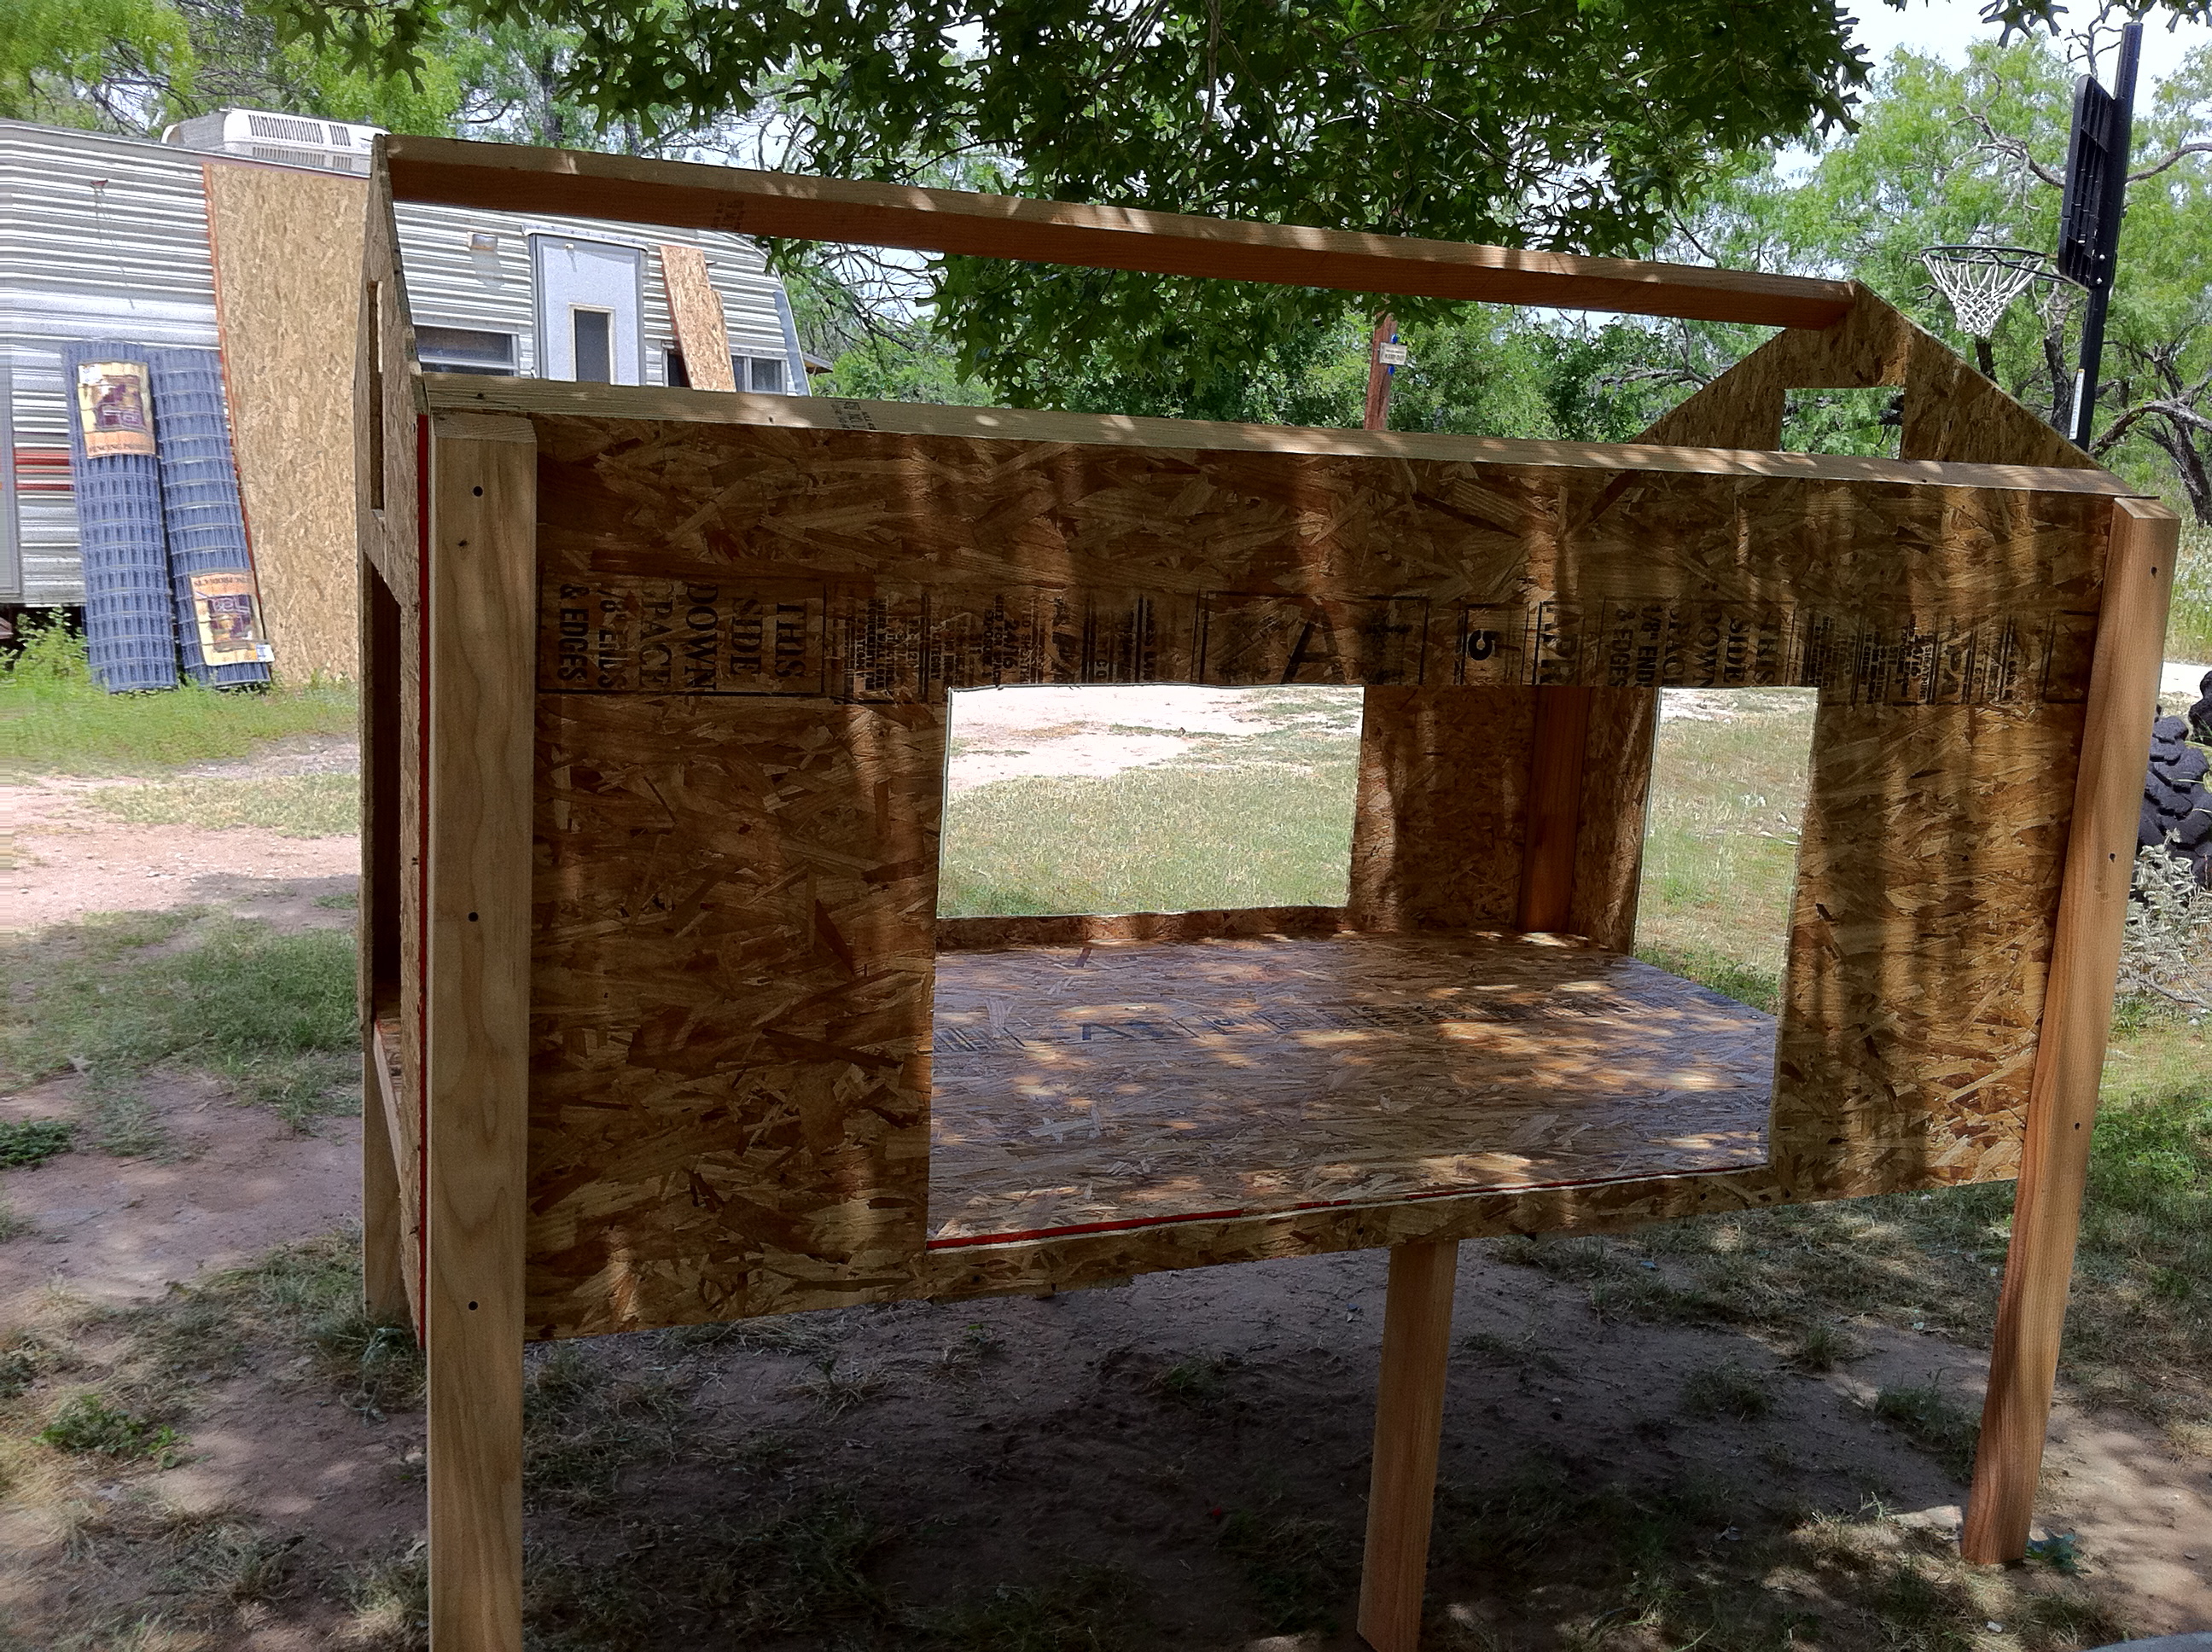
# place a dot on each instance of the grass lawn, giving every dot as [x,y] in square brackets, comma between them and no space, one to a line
[1720,847]
[1262,819]
[2189,626]
[1259,820]
[116,996]
[288,806]
[54,719]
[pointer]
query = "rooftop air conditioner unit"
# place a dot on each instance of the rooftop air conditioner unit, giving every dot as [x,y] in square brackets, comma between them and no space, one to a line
[291,140]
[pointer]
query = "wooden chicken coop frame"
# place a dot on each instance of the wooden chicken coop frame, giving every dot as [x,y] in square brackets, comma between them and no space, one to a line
[663,1026]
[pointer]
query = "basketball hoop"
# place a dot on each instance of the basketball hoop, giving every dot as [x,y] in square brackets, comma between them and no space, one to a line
[1981,283]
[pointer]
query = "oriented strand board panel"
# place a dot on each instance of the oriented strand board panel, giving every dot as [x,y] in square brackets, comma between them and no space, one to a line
[747,629]
[695,308]
[1950,413]
[1928,882]
[287,264]
[879,566]
[736,915]
[1443,781]
[1123,1083]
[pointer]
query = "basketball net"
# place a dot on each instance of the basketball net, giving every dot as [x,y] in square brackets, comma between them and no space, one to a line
[1982,282]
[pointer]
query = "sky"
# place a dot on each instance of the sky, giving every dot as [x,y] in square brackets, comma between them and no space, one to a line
[1946,27]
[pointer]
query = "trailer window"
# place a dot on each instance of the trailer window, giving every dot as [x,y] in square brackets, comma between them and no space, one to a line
[464,349]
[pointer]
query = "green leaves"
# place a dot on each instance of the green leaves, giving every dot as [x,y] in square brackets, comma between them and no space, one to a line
[1573,124]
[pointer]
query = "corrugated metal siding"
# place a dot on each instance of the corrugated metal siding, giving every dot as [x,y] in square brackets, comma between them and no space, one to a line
[99,236]
[450,286]
[106,237]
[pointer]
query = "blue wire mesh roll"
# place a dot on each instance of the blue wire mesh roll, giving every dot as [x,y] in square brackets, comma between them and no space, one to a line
[200,505]
[129,623]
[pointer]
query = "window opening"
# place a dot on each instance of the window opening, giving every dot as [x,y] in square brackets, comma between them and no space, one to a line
[375,409]
[1092,1074]
[593,334]
[1729,779]
[1148,799]
[464,349]
[767,374]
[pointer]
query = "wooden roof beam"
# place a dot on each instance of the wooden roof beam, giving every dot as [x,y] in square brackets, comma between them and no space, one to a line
[511,178]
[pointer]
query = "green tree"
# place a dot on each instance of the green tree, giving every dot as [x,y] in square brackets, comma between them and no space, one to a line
[1577,123]
[137,65]
[1976,153]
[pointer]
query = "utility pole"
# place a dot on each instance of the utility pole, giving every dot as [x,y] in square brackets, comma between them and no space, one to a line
[2089,217]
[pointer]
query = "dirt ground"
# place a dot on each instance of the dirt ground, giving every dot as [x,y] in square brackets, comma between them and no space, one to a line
[60,858]
[1202,1437]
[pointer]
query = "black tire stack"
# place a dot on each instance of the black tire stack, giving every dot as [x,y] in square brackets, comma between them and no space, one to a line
[2177,808]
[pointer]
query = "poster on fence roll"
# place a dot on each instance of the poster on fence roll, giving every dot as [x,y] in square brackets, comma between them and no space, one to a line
[114,408]
[228,610]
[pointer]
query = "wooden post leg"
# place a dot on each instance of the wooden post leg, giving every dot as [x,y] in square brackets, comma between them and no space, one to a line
[1409,1419]
[2077,1014]
[482,629]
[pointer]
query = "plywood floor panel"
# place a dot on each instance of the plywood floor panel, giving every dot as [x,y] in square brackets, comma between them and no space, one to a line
[1124,1081]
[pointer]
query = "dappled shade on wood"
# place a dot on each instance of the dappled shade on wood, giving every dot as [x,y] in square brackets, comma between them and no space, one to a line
[1128,1082]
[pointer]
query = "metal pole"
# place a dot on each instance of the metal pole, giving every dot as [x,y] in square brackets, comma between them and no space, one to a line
[2108,235]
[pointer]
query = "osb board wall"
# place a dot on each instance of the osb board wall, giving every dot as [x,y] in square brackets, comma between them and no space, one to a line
[1927,888]
[287,263]
[736,925]
[746,634]
[1950,411]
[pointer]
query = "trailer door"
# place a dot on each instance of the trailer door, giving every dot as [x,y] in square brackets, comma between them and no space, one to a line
[589,314]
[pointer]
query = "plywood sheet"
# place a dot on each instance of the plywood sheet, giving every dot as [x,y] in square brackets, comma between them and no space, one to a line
[1437,822]
[879,568]
[1928,882]
[1129,1081]
[695,308]
[1951,412]
[746,634]
[736,915]
[288,276]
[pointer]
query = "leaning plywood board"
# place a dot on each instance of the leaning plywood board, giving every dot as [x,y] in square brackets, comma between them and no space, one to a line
[288,260]
[748,626]
[697,309]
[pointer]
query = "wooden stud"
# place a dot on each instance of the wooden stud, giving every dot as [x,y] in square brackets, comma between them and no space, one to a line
[690,415]
[2077,1016]
[508,178]
[1409,1417]
[1555,800]
[482,545]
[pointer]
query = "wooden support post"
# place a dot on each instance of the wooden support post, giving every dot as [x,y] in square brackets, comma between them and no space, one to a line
[1409,1419]
[1557,753]
[482,542]
[2078,1013]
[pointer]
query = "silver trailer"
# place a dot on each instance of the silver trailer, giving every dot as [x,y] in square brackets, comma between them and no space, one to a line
[107,237]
